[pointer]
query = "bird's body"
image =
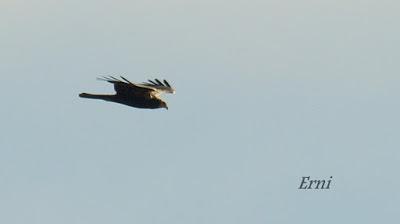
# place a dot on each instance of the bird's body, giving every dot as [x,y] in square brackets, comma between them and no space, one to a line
[145,95]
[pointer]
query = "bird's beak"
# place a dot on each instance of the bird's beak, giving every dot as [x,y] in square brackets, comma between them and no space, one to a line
[166,108]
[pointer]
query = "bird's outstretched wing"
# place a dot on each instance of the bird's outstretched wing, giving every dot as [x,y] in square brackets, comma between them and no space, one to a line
[146,90]
[126,88]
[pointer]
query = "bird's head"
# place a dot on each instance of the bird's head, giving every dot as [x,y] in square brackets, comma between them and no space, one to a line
[163,105]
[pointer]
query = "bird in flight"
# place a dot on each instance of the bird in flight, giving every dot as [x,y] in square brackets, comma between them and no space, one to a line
[144,95]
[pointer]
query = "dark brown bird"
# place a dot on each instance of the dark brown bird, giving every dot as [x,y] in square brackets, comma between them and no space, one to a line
[144,95]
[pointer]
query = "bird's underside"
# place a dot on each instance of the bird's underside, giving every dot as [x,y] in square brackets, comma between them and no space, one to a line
[144,95]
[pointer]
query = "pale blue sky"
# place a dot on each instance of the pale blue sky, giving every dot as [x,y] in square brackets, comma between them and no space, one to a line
[267,92]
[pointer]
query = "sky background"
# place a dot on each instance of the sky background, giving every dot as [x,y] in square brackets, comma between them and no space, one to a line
[266,92]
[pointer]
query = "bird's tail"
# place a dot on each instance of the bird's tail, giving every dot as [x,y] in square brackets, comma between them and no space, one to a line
[96,96]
